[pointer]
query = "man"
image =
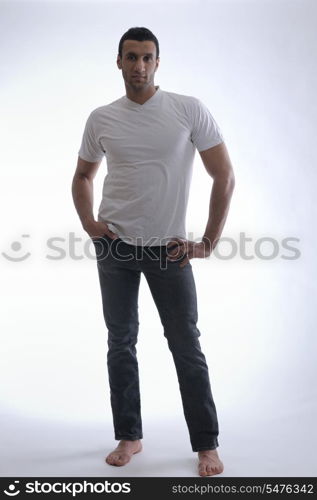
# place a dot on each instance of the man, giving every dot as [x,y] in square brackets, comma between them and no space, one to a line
[149,138]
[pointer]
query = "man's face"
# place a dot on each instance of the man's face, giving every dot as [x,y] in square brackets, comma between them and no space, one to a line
[138,63]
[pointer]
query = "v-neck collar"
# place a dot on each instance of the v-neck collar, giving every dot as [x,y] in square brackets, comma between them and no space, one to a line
[151,100]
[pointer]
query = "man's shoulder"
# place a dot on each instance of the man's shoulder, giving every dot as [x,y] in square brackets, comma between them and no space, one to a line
[182,103]
[106,108]
[182,98]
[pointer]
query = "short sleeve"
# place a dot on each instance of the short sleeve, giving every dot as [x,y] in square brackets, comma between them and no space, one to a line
[90,149]
[205,132]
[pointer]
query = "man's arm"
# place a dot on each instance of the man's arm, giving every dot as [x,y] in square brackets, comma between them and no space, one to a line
[83,196]
[83,189]
[218,165]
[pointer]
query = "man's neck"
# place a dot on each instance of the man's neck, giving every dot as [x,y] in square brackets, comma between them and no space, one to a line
[142,96]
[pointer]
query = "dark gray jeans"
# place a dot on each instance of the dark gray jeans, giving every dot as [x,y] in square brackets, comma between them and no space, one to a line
[173,289]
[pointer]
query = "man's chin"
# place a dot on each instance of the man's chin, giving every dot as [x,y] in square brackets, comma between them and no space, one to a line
[138,84]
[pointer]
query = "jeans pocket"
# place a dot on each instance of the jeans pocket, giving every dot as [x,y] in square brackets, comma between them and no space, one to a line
[101,245]
[104,237]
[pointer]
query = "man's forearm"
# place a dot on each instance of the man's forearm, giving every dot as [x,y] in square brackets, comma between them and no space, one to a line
[83,196]
[218,209]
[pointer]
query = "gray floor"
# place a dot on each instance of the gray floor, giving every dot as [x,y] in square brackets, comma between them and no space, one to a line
[262,448]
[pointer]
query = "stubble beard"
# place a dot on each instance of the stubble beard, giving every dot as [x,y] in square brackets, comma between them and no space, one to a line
[138,87]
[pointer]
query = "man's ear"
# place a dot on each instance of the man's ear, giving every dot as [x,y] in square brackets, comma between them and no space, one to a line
[119,62]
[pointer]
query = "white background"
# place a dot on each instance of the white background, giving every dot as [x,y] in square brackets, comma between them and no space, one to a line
[252,64]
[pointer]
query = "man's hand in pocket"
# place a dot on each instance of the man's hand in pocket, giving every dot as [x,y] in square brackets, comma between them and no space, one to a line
[97,229]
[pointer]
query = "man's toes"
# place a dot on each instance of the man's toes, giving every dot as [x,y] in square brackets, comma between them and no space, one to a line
[117,459]
[210,470]
[202,470]
[214,469]
[123,459]
[112,459]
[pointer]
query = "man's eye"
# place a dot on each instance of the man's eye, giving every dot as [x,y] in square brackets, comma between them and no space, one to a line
[146,58]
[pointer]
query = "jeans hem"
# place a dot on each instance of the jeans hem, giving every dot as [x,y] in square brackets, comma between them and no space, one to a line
[128,438]
[203,448]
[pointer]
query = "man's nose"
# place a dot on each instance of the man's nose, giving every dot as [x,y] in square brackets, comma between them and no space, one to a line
[139,66]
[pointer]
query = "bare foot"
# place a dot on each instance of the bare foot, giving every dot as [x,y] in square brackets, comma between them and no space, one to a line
[123,452]
[209,463]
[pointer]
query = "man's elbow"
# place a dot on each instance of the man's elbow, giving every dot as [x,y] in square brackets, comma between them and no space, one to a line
[231,179]
[226,179]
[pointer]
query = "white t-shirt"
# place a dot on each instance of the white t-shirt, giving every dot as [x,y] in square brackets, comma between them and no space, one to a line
[150,150]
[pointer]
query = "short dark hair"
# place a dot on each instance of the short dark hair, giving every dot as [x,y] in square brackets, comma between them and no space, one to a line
[141,35]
